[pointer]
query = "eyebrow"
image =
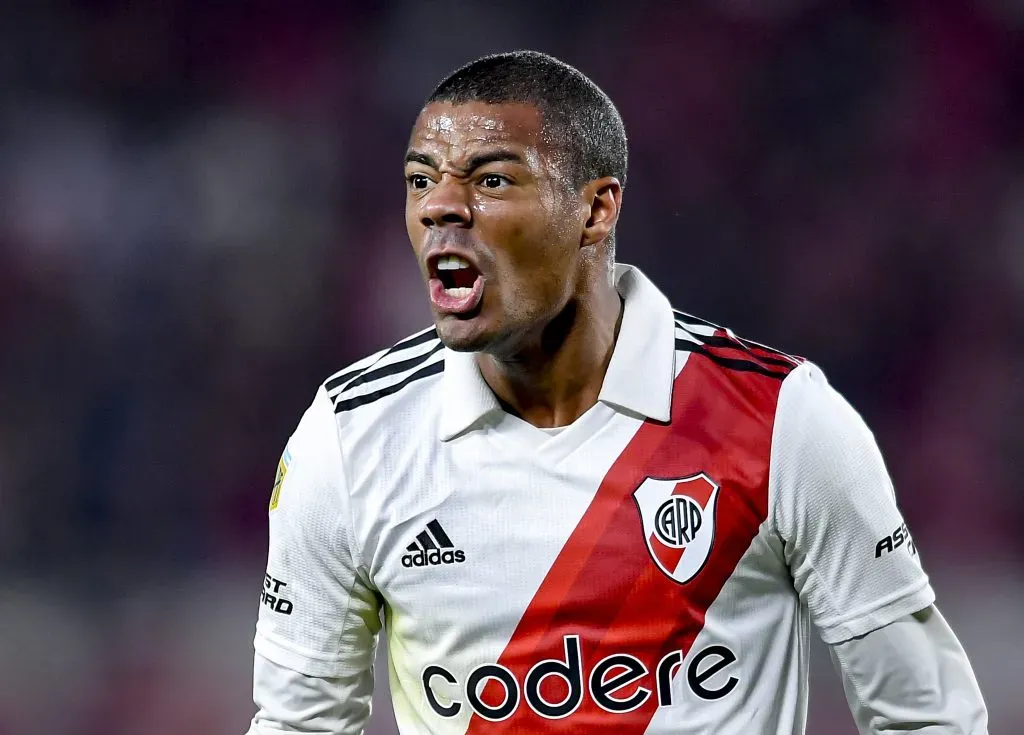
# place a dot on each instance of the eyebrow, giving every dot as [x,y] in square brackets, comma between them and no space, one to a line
[417,157]
[481,159]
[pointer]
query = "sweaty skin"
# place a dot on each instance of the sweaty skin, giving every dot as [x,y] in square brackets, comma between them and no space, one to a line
[485,182]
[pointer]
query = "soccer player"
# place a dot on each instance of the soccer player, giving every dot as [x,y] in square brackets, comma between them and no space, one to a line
[570,508]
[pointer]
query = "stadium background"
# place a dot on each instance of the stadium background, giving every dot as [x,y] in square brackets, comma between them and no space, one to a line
[202,219]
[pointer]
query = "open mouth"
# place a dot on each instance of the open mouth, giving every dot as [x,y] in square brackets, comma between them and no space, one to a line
[456,274]
[456,286]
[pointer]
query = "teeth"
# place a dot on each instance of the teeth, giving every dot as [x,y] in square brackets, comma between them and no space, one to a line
[458,293]
[451,263]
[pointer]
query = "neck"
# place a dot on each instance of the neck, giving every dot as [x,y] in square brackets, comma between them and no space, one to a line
[557,375]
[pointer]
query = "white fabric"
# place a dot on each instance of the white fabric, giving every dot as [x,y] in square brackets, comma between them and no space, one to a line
[408,447]
[833,502]
[293,702]
[331,627]
[911,676]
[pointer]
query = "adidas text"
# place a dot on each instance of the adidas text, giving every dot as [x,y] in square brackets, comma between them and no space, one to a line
[432,547]
[435,557]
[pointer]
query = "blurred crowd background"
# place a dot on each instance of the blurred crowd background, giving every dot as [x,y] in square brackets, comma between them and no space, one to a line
[202,219]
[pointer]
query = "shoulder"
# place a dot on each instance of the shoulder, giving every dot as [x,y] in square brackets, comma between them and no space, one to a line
[309,472]
[354,404]
[400,370]
[730,352]
[804,397]
[733,371]
[825,461]
[816,426]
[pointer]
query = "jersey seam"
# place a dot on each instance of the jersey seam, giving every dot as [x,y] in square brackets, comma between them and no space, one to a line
[773,490]
[353,548]
[807,558]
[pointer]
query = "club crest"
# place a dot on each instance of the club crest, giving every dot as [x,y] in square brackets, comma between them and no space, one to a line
[679,523]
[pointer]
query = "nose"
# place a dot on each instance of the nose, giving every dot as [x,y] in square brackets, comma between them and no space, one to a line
[446,204]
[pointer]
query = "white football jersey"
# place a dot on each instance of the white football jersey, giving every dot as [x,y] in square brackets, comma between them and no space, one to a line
[651,568]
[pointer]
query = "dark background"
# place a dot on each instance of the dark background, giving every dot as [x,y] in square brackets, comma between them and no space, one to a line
[202,219]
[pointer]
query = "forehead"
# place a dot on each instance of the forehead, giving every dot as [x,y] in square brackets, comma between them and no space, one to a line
[470,126]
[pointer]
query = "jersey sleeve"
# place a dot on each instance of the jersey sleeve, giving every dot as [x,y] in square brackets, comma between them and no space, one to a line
[291,702]
[318,613]
[852,559]
[911,676]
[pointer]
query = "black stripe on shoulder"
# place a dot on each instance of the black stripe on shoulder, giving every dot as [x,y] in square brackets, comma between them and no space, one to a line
[350,403]
[340,379]
[753,350]
[416,339]
[737,344]
[732,363]
[682,316]
[393,368]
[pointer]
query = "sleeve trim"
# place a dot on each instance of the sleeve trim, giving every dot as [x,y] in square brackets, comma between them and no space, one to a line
[852,624]
[304,661]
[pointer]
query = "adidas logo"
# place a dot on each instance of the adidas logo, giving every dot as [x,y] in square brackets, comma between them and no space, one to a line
[432,547]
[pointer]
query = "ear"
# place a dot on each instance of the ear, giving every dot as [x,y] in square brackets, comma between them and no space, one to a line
[604,196]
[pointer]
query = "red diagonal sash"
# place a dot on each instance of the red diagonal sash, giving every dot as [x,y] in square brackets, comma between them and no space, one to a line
[605,587]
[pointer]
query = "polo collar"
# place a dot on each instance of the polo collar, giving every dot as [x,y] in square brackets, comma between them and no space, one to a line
[639,377]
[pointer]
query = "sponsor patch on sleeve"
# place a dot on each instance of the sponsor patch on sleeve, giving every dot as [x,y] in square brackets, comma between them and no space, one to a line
[282,470]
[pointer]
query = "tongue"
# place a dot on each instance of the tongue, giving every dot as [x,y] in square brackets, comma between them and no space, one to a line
[463,278]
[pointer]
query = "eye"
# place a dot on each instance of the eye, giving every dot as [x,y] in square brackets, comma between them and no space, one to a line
[493,181]
[418,181]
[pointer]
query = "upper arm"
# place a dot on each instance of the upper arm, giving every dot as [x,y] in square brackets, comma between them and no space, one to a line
[851,557]
[318,613]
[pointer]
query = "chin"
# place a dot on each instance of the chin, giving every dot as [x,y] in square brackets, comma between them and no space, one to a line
[458,341]
[462,335]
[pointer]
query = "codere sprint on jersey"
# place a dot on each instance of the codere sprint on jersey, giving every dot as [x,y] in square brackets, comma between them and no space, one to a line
[618,683]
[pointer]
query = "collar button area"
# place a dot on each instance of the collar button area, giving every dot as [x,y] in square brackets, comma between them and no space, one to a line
[640,375]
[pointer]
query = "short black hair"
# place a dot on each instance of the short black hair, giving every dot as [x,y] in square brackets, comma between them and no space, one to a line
[578,115]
